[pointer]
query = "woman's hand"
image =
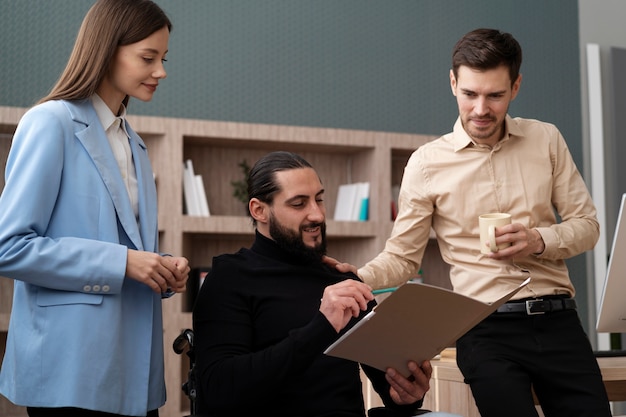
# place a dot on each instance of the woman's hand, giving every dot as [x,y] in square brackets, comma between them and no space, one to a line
[160,273]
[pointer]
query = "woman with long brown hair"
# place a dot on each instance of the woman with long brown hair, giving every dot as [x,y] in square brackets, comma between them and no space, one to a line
[79,233]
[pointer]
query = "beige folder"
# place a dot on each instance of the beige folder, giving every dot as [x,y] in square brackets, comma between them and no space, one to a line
[416,322]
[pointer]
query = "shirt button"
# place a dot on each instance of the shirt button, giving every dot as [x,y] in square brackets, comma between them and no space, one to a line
[87,288]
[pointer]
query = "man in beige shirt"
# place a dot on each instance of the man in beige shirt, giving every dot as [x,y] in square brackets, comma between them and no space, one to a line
[492,162]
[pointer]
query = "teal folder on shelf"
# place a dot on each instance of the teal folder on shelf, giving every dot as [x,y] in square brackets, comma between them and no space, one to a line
[364,213]
[416,322]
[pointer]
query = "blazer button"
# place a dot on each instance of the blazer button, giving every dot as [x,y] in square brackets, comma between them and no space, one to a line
[106,288]
[87,288]
[96,288]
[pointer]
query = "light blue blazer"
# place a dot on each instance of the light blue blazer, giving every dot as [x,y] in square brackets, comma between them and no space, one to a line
[80,334]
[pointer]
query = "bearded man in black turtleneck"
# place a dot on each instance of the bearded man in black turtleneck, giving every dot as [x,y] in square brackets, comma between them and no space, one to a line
[265,315]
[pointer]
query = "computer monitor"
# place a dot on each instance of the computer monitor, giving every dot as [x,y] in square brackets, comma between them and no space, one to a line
[612,315]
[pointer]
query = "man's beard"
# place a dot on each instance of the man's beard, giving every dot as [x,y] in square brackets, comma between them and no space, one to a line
[292,242]
[480,134]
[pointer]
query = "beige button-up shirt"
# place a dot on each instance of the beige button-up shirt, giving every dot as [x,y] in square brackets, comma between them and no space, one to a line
[449,182]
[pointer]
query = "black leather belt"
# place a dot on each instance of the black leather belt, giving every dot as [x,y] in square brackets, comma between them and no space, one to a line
[538,306]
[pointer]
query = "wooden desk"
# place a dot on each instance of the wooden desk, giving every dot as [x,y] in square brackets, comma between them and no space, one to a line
[449,393]
[614,376]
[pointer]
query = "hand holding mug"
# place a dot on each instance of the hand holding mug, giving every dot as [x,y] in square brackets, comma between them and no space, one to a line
[487,224]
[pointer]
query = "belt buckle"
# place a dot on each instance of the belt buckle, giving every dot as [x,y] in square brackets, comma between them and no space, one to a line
[529,304]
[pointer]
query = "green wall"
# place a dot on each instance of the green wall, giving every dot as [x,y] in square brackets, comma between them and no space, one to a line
[364,64]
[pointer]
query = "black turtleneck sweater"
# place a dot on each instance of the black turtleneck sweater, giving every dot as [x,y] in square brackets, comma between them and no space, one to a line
[260,337]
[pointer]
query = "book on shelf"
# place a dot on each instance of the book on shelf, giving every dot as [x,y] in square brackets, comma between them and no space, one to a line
[346,194]
[204,204]
[352,202]
[190,199]
[361,202]
[196,203]
[416,322]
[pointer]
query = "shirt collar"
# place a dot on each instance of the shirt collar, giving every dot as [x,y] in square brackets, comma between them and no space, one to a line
[462,140]
[106,116]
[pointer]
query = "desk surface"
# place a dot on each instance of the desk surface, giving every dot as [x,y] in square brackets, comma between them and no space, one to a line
[612,368]
[614,376]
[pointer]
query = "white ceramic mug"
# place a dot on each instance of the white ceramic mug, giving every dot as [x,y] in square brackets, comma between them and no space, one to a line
[487,224]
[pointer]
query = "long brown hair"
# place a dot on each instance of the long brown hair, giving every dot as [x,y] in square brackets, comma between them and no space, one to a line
[107,25]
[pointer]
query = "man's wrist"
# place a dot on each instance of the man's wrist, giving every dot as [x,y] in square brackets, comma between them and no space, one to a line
[541,244]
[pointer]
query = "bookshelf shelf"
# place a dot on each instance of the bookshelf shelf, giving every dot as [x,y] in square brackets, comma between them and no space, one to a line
[216,148]
[217,224]
[237,225]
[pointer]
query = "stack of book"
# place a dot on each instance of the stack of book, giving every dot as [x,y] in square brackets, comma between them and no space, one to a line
[196,203]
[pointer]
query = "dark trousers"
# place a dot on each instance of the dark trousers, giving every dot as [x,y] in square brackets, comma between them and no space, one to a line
[507,354]
[74,412]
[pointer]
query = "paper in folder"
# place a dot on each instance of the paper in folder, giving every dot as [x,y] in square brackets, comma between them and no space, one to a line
[416,322]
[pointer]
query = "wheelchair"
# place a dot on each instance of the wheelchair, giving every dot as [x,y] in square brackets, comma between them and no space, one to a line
[189,387]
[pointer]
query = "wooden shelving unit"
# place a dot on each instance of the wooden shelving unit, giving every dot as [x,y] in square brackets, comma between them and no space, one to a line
[216,148]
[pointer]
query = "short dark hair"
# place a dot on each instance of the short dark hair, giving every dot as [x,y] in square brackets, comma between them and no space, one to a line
[485,49]
[261,180]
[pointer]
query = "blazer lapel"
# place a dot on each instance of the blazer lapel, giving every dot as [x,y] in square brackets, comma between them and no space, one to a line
[95,142]
[147,191]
